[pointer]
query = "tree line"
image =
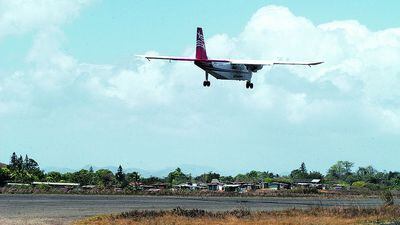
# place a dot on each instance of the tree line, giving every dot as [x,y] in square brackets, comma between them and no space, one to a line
[26,170]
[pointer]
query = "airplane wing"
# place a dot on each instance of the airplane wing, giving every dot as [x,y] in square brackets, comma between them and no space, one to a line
[173,58]
[271,63]
[231,61]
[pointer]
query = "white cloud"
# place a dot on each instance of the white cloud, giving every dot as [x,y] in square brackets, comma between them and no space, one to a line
[20,16]
[362,64]
[49,68]
[146,86]
[361,67]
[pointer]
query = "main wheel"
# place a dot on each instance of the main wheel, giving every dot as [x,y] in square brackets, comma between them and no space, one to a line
[206,83]
[247,85]
[251,85]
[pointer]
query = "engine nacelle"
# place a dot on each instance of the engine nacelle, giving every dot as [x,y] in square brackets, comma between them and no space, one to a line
[254,68]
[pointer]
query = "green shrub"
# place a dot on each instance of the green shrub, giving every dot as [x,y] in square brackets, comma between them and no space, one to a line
[359,184]
[387,198]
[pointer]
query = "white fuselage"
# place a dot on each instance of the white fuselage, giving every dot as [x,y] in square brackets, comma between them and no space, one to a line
[226,71]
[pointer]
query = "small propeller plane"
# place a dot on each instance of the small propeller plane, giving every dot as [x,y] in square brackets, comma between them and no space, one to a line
[226,69]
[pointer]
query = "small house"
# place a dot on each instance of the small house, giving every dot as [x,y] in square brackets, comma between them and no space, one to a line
[308,183]
[231,188]
[276,185]
[215,185]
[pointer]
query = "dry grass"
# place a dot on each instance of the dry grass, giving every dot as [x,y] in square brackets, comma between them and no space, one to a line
[317,216]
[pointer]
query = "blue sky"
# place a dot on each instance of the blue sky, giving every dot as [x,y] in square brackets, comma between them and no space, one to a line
[72,93]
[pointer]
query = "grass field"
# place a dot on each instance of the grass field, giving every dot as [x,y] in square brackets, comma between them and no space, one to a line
[320,216]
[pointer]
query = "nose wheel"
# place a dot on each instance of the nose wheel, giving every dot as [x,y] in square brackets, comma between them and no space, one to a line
[249,85]
[206,83]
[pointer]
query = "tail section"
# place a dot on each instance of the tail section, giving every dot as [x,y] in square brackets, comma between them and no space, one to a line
[201,52]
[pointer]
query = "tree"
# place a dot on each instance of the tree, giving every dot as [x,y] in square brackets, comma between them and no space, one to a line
[83,177]
[30,164]
[5,175]
[152,180]
[177,177]
[300,173]
[303,168]
[315,175]
[253,176]
[207,177]
[105,177]
[368,174]
[340,170]
[32,167]
[120,177]
[133,177]
[20,163]
[227,179]
[24,170]
[16,163]
[13,162]
[66,177]
[53,177]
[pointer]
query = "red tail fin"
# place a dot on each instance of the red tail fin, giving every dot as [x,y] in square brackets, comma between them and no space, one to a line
[201,52]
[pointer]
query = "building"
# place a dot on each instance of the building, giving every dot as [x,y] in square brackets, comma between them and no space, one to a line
[135,184]
[190,186]
[232,188]
[275,185]
[57,184]
[246,187]
[215,185]
[17,184]
[161,186]
[308,183]
[184,186]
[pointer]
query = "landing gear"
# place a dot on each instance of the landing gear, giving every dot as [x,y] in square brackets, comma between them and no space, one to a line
[249,85]
[206,83]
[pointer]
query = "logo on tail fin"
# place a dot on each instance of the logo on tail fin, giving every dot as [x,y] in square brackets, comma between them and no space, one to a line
[200,40]
[200,45]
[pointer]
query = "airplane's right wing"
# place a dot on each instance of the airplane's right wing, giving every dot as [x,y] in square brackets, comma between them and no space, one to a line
[271,63]
[294,63]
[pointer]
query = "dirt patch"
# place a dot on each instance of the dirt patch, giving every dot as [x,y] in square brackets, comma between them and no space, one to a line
[35,221]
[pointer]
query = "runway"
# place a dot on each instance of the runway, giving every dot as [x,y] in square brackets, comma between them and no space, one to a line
[65,208]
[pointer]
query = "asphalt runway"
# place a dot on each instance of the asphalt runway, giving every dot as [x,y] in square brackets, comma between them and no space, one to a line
[61,209]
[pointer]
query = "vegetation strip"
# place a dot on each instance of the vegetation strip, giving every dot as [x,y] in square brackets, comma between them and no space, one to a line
[23,175]
[337,215]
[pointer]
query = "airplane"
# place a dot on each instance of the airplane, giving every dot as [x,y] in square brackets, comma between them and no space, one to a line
[226,69]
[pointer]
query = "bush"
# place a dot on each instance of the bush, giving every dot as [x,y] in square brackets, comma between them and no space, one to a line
[359,184]
[43,187]
[387,198]
[373,187]
[305,191]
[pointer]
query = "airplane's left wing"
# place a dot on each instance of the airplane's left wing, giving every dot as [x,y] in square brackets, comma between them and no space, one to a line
[174,58]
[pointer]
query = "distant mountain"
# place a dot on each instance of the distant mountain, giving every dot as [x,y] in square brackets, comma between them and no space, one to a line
[2,165]
[58,169]
[194,170]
